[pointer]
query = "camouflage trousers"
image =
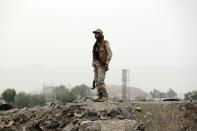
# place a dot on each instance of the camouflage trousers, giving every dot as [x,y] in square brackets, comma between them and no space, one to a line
[99,77]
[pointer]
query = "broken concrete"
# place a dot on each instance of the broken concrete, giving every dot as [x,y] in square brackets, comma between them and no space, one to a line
[103,116]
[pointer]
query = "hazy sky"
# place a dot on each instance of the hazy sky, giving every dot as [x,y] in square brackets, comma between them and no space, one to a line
[155,39]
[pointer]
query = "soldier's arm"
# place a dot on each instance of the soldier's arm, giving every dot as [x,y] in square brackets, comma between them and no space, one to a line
[93,59]
[109,53]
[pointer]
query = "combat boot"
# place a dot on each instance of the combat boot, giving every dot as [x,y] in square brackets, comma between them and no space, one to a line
[99,98]
[104,96]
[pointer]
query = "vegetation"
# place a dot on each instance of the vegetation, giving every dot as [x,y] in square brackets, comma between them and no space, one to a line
[65,95]
[9,95]
[61,94]
[191,95]
[169,94]
[140,98]
[81,91]
[29,100]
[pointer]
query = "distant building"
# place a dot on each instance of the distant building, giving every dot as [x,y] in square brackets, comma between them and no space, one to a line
[49,94]
[115,92]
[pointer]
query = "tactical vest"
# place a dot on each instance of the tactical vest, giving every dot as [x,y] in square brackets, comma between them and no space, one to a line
[100,52]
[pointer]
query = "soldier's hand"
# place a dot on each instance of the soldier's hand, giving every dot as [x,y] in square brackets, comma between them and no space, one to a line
[106,67]
[93,84]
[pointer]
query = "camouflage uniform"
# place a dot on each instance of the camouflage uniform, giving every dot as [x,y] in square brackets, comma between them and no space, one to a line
[101,66]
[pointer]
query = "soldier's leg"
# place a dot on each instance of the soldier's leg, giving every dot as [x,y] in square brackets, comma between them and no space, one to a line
[95,77]
[95,74]
[95,82]
[100,84]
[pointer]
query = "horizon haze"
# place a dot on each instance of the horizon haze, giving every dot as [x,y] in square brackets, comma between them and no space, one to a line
[51,42]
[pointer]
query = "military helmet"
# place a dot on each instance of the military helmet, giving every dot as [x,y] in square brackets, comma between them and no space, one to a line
[98,31]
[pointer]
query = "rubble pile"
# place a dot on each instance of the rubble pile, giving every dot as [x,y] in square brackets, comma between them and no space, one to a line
[102,116]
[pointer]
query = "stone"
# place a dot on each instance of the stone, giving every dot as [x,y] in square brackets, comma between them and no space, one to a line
[9,124]
[138,108]
[91,115]
[89,126]
[22,110]
[109,125]
[130,125]
[5,106]
[33,126]
[54,124]
[68,127]
[114,112]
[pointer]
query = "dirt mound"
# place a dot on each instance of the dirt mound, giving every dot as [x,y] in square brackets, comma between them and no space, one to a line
[103,116]
[168,116]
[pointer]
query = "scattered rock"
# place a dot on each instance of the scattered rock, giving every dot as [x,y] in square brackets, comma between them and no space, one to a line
[54,124]
[138,108]
[120,101]
[103,116]
[33,126]
[130,125]
[69,127]
[114,112]
[89,126]
[171,99]
[10,123]
[91,115]
[5,106]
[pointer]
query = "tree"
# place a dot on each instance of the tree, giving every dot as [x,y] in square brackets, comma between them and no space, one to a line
[171,93]
[29,100]
[188,96]
[22,100]
[140,98]
[63,94]
[155,93]
[68,97]
[81,91]
[194,95]
[191,95]
[9,95]
[36,99]
[163,95]
[60,91]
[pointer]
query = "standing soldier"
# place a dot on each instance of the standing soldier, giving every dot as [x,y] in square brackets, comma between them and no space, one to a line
[101,57]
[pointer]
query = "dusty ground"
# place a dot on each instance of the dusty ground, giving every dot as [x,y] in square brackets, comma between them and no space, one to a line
[168,116]
[104,116]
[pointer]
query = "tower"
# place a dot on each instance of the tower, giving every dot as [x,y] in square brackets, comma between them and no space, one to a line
[125,83]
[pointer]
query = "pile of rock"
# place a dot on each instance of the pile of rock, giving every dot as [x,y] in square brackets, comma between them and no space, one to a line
[83,116]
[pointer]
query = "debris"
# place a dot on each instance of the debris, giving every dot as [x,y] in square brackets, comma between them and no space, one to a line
[138,108]
[130,125]
[54,124]
[171,99]
[89,126]
[114,112]
[9,124]
[69,127]
[5,106]
[33,126]
[52,105]
[120,101]
[103,116]
[91,115]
